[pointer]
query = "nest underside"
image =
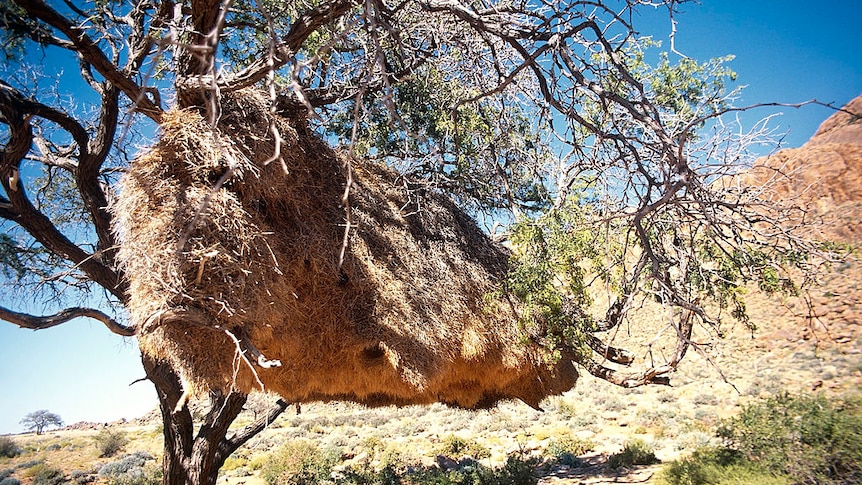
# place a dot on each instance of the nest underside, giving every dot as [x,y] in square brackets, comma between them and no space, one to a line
[231,251]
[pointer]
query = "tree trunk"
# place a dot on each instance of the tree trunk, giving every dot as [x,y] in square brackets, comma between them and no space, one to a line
[196,460]
[189,459]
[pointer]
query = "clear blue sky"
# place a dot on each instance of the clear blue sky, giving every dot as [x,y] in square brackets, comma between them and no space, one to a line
[786,51]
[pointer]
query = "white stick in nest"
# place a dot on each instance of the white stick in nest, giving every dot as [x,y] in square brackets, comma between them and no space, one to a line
[245,349]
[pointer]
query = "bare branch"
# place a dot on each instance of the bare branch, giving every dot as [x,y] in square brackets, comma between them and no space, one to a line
[91,52]
[33,322]
[16,112]
[305,25]
[240,437]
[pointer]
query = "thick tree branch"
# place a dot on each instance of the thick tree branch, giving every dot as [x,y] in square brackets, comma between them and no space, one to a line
[33,322]
[655,375]
[304,26]
[89,168]
[14,112]
[239,438]
[91,52]
[613,354]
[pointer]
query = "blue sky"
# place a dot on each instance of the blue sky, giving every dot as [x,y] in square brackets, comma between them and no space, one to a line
[786,51]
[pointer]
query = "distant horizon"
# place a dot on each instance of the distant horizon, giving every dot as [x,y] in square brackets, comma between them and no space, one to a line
[786,52]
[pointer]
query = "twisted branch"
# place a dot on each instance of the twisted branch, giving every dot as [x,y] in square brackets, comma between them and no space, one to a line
[33,322]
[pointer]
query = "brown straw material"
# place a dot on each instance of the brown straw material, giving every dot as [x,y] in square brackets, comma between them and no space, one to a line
[235,280]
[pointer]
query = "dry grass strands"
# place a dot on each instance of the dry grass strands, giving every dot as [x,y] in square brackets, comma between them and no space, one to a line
[234,274]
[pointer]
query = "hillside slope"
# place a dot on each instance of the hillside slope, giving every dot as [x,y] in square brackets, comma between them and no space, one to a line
[825,175]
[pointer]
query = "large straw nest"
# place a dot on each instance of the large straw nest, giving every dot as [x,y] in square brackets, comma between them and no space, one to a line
[409,317]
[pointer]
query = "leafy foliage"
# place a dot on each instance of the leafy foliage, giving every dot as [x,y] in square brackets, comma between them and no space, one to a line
[110,442]
[809,438]
[299,462]
[718,466]
[485,153]
[8,447]
[635,452]
[552,258]
[783,439]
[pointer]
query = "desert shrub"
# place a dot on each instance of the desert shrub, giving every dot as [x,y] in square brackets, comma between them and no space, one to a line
[233,462]
[131,469]
[516,471]
[29,464]
[149,474]
[809,438]
[467,471]
[365,474]
[257,462]
[8,447]
[110,442]
[80,477]
[299,462]
[635,452]
[455,446]
[44,474]
[718,466]
[10,481]
[565,450]
[705,399]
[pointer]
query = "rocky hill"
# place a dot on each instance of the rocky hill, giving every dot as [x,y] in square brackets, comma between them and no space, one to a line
[825,176]
[825,173]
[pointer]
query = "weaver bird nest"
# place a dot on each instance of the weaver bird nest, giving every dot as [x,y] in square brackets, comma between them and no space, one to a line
[243,277]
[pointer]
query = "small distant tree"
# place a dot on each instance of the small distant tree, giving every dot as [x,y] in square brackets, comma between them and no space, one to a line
[41,419]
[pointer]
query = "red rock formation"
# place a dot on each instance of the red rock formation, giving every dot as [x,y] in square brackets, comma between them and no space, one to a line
[825,173]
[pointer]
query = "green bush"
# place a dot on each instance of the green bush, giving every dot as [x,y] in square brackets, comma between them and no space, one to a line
[635,452]
[138,468]
[110,442]
[718,466]
[808,438]
[784,439]
[8,447]
[516,471]
[565,450]
[10,481]
[455,446]
[44,474]
[299,462]
[366,475]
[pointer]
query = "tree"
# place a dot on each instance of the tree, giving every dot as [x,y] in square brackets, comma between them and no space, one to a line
[41,419]
[544,117]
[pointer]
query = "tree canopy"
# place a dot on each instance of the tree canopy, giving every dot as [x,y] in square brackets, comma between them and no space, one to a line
[609,168]
[41,419]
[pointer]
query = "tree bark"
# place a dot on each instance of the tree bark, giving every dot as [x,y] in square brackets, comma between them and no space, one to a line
[196,460]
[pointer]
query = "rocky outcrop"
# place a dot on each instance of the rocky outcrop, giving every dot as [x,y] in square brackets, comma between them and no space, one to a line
[825,173]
